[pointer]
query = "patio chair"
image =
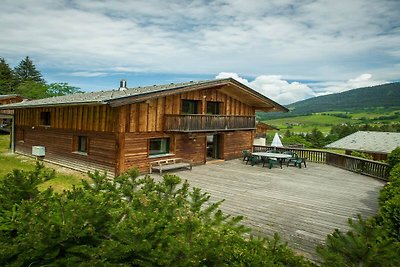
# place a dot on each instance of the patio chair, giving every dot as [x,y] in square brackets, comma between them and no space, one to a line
[271,162]
[246,154]
[297,161]
[254,160]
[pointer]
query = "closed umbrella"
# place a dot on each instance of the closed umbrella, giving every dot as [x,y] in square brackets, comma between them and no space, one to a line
[276,142]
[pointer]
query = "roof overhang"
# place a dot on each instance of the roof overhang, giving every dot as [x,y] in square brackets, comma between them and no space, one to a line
[228,86]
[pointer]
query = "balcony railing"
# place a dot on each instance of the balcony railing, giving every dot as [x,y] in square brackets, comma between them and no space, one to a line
[364,166]
[205,123]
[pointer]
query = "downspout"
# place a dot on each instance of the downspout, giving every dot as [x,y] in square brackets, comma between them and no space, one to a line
[12,135]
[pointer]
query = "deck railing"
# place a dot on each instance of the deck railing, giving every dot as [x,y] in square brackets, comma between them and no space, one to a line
[203,123]
[371,168]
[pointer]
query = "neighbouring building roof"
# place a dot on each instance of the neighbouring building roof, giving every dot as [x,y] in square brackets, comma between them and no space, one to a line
[261,126]
[133,95]
[8,96]
[365,141]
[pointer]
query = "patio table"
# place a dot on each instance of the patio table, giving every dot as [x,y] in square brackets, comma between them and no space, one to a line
[280,157]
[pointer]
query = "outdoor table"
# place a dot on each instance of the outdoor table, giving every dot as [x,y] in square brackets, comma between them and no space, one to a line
[280,157]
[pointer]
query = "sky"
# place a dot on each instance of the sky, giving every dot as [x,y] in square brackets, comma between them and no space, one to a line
[288,50]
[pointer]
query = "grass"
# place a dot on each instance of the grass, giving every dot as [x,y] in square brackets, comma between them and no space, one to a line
[324,121]
[8,162]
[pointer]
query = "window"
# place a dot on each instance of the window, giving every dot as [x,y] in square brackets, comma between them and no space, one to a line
[45,118]
[159,146]
[82,144]
[213,107]
[190,106]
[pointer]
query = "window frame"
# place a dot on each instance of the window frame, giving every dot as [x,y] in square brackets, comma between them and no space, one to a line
[45,118]
[196,107]
[161,151]
[77,145]
[215,104]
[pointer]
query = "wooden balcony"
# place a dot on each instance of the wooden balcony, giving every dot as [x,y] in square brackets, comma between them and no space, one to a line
[205,123]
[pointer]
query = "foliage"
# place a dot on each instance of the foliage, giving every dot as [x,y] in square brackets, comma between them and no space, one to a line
[316,138]
[58,89]
[363,245]
[361,155]
[394,158]
[7,79]
[389,200]
[28,82]
[373,242]
[292,139]
[31,90]
[392,188]
[26,72]
[132,221]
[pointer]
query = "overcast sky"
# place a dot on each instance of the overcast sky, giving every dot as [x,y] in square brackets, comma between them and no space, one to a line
[289,50]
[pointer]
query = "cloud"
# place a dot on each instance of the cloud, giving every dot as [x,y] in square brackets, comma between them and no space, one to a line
[87,74]
[284,92]
[363,80]
[299,40]
[274,87]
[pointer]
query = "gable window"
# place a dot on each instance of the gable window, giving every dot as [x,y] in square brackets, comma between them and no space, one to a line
[158,146]
[81,144]
[213,107]
[45,118]
[190,106]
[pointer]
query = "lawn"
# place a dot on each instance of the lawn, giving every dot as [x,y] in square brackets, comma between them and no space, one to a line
[9,162]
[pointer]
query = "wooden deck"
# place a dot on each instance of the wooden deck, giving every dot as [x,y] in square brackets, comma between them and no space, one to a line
[302,205]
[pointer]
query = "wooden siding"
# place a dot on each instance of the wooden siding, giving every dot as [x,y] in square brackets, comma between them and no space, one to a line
[149,116]
[76,118]
[191,147]
[135,151]
[235,142]
[59,147]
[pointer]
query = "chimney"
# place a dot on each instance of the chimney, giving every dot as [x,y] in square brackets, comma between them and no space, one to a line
[122,85]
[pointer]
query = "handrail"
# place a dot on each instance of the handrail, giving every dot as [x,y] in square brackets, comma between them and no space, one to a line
[202,123]
[367,167]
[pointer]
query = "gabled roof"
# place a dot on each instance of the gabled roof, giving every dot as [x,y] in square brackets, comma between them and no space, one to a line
[117,97]
[373,142]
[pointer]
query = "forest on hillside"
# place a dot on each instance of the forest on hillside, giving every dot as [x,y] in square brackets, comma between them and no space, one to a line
[385,95]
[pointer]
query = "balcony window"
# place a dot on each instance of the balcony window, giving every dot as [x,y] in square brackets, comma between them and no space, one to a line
[159,146]
[213,107]
[190,106]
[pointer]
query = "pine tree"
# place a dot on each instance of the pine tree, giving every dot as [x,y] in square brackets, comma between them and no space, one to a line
[7,79]
[26,71]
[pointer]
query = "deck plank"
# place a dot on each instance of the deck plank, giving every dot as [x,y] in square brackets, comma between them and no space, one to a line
[302,205]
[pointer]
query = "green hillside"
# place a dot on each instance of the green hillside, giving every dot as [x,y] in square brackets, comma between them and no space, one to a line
[356,100]
[324,121]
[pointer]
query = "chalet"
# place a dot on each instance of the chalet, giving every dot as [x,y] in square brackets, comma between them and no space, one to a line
[129,127]
[376,144]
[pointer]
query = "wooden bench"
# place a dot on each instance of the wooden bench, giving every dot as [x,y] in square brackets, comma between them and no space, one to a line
[169,164]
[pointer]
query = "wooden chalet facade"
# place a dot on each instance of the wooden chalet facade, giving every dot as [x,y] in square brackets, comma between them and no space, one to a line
[127,128]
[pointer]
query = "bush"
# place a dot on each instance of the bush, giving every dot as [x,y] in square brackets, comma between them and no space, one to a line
[394,158]
[131,221]
[363,245]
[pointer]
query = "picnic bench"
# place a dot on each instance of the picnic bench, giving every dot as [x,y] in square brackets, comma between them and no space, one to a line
[169,164]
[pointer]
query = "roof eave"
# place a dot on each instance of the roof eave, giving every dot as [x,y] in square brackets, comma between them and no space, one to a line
[93,103]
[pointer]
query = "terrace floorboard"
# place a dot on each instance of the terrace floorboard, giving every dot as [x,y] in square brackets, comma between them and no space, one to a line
[302,205]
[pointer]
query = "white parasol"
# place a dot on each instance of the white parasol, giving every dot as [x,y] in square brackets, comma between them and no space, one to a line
[277,141]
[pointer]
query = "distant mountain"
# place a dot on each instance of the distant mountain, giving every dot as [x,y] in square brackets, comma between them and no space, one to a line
[385,95]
